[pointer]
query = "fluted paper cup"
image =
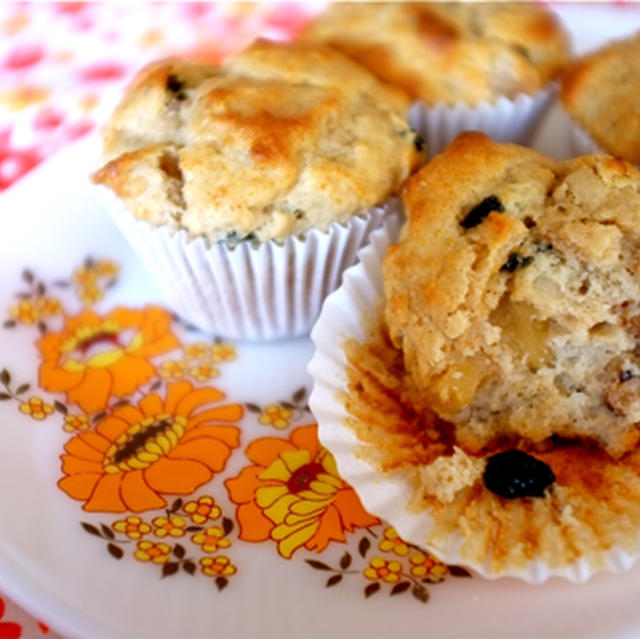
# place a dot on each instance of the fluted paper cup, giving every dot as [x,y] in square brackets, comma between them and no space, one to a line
[390,493]
[252,291]
[505,120]
[580,142]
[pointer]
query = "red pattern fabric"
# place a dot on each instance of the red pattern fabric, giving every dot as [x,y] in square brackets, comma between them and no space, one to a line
[63,65]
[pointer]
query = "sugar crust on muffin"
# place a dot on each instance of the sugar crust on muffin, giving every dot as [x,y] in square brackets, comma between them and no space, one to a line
[514,295]
[279,140]
[449,52]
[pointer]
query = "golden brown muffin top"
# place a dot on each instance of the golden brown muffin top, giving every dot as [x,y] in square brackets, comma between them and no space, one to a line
[280,139]
[449,52]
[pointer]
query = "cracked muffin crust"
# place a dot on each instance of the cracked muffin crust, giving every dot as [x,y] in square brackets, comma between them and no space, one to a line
[600,93]
[449,52]
[279,140]
[514,295]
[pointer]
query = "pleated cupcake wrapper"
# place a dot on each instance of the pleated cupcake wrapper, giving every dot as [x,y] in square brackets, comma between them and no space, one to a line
[580,142]
[505,120]
[268,291]
[387,494]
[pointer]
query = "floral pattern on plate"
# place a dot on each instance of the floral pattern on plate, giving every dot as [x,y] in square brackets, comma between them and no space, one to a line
[150,435]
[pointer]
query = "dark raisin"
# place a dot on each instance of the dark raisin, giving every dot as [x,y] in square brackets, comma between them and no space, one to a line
[625,376]
[515,261]
[418,142]
[529,222]
[175,86]
[479,212]
[515,473]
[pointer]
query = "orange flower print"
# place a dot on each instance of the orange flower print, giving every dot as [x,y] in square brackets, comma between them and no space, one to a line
[137,454]
[202,509]
[292,494]
[150,551]
[94,358]
[36,408]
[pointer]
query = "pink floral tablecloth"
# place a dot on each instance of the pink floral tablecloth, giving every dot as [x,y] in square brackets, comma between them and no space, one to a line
[62,69]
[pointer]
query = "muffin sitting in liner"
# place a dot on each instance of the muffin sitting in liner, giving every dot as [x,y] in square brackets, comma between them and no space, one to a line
[474,65]
[249,187]
[499,385]
[600,93]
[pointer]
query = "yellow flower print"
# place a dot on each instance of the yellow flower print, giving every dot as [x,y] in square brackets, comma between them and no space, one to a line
[73,423]
[275,415]
[86,280]
[25,312]
[204,372]
[49,306]
[133,527]
[157,553]
[172,369]
[292,493]
[195,351]
[106,269]
[393,543]
[211,539]
[36,408]
[90,294]
[202,509]
[379,568]
[425,566]
[83,276]
[223,352]
[217,566]
[30,311]
[173,526]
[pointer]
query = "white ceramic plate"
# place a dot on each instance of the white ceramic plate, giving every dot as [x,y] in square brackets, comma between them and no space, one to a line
[78,568]
[59,570]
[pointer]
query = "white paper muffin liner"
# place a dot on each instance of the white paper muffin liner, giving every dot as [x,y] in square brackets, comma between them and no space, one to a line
[580,142]
[388,495]
[505,120]
[255,292]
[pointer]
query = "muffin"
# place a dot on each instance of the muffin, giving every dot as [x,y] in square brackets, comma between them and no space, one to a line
[599,92]
[523,318]
[484,396]
[466,65]
[247,188]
